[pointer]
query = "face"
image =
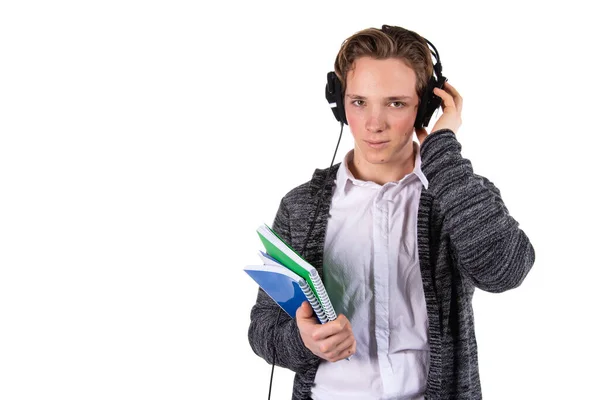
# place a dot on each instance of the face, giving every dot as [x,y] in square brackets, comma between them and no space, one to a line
[381,106]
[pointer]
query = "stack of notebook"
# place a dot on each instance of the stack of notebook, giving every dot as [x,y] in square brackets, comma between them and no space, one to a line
[288,279]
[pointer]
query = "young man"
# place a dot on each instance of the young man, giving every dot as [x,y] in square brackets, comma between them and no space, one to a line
[405,233]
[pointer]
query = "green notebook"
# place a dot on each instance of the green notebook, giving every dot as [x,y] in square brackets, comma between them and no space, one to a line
[286,255]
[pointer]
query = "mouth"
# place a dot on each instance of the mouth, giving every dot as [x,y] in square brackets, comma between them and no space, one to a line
[377,145]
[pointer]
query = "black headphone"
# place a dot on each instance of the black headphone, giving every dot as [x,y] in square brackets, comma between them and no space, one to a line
[429,101]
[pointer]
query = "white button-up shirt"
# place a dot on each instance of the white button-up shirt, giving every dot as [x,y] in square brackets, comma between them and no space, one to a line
[372,274]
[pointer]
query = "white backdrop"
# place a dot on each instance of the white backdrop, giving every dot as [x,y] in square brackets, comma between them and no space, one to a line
[142,143]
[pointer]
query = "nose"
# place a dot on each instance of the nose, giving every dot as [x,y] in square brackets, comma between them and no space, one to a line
[375,121]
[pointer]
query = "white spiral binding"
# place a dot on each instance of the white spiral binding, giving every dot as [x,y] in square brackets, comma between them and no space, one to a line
[313,301]
[322,293]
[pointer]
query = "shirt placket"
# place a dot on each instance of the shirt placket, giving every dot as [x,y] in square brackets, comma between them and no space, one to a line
[381,283]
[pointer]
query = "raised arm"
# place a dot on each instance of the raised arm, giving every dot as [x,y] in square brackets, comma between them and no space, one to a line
[489,247]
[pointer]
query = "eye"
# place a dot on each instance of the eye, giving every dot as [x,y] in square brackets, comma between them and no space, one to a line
[397,104]
[358,103]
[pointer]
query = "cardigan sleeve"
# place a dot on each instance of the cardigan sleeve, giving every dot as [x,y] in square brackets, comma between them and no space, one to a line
[272,334]
[489,248]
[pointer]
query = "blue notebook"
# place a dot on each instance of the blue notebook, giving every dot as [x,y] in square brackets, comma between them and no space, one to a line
[285,287]
[286,256]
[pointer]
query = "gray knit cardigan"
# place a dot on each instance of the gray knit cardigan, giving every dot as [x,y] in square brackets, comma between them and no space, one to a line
[466,239]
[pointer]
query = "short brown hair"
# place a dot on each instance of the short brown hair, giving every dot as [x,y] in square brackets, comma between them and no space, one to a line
[388,42]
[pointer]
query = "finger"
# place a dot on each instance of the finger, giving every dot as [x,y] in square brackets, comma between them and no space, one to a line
[331,328]
[447,100]
[350,350]
[458,100]
[344,350]
[304,311]
[333,345]
[451,89]
[448,86]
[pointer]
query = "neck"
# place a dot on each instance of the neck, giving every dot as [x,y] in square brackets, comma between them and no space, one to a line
[391,171]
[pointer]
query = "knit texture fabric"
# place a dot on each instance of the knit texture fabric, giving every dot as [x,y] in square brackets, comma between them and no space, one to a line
[466,239]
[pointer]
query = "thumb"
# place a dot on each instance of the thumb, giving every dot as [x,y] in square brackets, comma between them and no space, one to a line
[304,311]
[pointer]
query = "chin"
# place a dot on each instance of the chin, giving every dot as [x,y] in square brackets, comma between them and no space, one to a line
[378,160]
[375,156]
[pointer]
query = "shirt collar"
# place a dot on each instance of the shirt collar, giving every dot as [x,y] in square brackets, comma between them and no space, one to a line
[346,179]
[417,171]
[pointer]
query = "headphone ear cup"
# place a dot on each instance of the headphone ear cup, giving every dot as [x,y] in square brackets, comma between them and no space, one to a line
[335,97]
[429,102]
[421,111]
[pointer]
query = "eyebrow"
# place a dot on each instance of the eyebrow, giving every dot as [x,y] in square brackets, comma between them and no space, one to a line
[391,98]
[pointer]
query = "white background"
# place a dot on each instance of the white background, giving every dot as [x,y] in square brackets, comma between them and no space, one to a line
[142,143]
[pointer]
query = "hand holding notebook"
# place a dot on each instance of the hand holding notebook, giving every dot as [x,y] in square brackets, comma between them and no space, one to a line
[332,341]
[290,280]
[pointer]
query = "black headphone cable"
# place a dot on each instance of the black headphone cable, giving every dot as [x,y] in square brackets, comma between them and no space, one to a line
[312,225]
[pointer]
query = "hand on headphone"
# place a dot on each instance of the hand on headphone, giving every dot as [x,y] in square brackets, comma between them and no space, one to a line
[451,106]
